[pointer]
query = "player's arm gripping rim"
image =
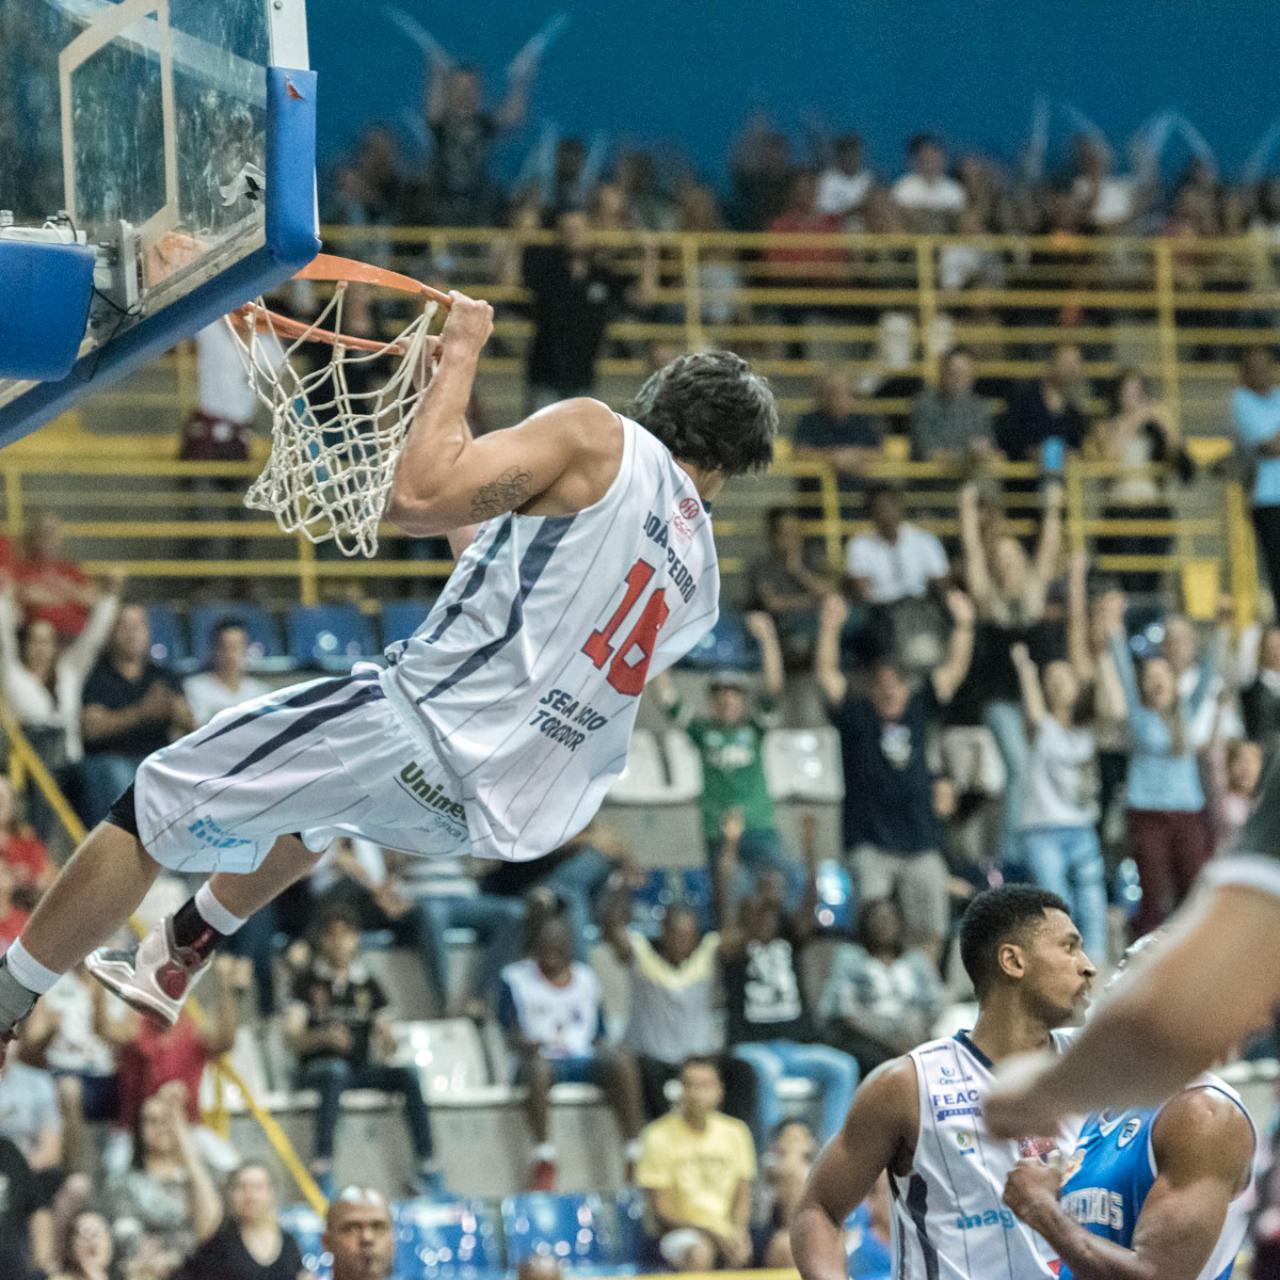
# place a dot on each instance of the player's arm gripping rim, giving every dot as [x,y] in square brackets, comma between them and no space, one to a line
[1203,1148]
[558,461]
[1200,992]
[878,1134]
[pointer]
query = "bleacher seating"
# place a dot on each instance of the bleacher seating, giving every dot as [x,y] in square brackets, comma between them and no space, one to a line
[726,647]
[168,635]
[265,650]
[436,1239]
[448,1055]
[401,618]
[804,765]
[329,636]
[447,1239]
[568,1227]
[663,770]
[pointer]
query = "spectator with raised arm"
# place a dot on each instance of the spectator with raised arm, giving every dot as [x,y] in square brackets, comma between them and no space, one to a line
[551,1011]
[1058,823]
[890,833]
[769,1027]
[249,1243]
[43,680]
[697,1168]
[166,1202]
[1009,592]
[1255,413]
[132,706]
[50,587]
[464,134]
[1169,832]
[882,996]
[575,291]
[729,738]
[227,683]
[339,1026]
[672,1006]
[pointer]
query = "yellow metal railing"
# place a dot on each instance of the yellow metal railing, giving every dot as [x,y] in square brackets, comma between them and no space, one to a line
[134,512]
[24,761]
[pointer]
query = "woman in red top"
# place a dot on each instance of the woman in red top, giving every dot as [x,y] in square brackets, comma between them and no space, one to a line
[22,851]
[51,589]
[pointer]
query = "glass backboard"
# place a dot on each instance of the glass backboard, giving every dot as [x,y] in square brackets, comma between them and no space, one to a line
[147,123]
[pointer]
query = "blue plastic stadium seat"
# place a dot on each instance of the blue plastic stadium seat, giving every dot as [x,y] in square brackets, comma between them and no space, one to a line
[630,1242]
[168,639]
[401,618]
[329,636]
[727,645]
[570,1228]
[834,908]
[699,895]
[306,1227]
[446,1240]
[264,633]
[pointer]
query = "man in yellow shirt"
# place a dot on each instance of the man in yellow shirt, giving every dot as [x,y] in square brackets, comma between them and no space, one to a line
[697,1167]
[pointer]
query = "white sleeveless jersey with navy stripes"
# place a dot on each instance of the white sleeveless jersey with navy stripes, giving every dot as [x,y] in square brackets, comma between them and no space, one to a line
[949,1217]
[525,678]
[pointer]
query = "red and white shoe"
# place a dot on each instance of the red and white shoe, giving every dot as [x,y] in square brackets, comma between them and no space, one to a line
[154,976]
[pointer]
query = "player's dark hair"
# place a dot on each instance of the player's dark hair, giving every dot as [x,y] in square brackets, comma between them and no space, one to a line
[992,919]
[712,411]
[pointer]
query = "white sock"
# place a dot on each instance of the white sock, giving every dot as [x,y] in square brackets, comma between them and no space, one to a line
[545,1151]
[214,914]
[28,970]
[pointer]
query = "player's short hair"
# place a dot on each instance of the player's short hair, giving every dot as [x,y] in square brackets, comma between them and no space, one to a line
[992,919]
[712,410]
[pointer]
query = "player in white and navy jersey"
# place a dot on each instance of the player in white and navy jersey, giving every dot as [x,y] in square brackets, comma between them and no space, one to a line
[920,1116]
[587,566]
[1160,1193]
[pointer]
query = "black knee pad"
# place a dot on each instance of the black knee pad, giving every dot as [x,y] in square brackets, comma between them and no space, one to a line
[124,813]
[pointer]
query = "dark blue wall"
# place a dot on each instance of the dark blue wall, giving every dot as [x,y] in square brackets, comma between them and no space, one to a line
[686,71]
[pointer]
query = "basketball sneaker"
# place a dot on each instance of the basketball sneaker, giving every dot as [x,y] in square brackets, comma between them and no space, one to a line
[154,976]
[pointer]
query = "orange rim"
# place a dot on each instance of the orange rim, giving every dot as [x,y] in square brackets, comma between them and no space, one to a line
[328,266]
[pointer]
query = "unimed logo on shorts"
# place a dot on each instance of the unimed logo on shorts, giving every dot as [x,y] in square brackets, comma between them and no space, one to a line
[208,832]
[430,794]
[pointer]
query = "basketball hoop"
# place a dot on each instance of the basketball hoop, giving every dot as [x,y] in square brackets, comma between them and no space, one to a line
[337,425]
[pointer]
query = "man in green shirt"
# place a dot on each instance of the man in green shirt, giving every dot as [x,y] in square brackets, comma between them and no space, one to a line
[730,741]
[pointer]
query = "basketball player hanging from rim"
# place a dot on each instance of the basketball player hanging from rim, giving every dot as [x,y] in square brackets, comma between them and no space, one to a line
[586,566]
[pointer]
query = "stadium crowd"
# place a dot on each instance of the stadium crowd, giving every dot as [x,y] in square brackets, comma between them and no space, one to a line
[1003,712]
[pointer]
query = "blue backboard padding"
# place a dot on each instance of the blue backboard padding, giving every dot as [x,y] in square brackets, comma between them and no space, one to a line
[45,291]
[291,243]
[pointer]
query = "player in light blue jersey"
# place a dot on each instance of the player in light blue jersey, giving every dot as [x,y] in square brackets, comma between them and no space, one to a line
[1154,1194]
[1158,1194]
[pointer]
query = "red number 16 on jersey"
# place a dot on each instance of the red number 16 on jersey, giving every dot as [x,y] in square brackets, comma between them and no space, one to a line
[628,676]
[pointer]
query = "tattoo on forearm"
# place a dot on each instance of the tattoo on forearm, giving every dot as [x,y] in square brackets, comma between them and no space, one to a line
[508,492]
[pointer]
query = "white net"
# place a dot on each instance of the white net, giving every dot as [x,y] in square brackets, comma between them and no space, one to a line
[338,421]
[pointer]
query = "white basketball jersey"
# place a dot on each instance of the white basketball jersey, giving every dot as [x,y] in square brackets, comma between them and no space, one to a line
[949,1217]
[563,1021]
[526,675]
